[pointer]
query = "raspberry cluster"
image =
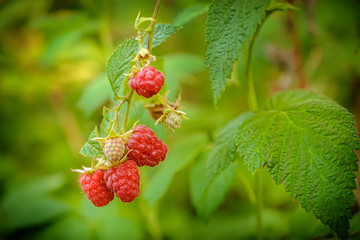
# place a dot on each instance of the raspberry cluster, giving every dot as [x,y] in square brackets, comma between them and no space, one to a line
[116,171]
[122,178]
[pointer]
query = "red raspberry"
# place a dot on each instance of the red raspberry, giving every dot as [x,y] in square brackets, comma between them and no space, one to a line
[147,82]
[94,187]
[124,181]
[114,148]
[145,148]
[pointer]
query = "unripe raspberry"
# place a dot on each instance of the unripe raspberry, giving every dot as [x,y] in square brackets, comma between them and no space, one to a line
[114,149]
[147,82]
[95,189]
[173,120]
[145,148]
[124,181]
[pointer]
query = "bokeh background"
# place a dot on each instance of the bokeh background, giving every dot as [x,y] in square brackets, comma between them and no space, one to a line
[53,85]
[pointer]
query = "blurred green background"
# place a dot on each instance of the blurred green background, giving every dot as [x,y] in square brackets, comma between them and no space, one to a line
[53,85]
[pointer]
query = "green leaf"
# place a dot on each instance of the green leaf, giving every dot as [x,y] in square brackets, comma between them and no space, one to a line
[190,13]
[91,148]
[230,23]
[119,63]
[280,7]
[206,198]
[212,177]
[108,117]
[162,32]
[178,157]
[224,149]
[308,143]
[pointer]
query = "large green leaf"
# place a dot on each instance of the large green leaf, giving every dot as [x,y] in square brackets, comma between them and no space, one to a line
[230,23]
[119,63]
[308,143]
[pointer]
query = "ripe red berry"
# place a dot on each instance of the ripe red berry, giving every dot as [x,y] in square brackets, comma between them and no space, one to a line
[94,187]
[114,148]
[147,82]
[145,148]
[124,181]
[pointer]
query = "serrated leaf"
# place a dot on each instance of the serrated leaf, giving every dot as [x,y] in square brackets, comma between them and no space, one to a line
[119,63]
[224,149]
[91,148]
[206,198]
[178,157]
[190,13]
[162,32]
[230,23]
[212,176]
[308,143]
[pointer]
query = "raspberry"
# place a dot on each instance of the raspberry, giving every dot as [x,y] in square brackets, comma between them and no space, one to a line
[95,189]
[124,181]
[173,120]
[114,148]
[145,148]
[147,82]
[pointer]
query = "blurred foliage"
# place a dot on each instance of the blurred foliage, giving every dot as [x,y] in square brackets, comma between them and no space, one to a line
[53,85]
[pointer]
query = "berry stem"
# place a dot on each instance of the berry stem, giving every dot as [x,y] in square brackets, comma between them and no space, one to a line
[152,24]
[248,187]
[162,100]
[252,100]
[115,121]
[128,100]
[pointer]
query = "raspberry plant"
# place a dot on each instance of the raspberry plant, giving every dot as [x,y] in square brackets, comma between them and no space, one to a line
[116,150]
[305,140]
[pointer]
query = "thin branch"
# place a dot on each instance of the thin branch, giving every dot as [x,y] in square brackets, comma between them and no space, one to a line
[152,24]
